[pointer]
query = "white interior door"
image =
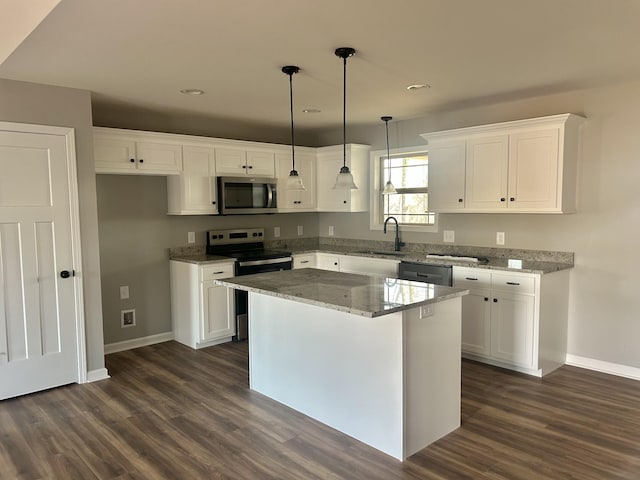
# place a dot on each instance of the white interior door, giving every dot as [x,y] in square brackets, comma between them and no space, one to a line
[38,305]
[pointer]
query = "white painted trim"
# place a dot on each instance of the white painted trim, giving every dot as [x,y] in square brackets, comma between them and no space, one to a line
[96,375]
[137,342]
[604,367]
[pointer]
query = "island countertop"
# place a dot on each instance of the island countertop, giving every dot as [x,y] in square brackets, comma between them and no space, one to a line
[363,295]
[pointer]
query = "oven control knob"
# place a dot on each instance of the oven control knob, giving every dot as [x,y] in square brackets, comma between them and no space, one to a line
[259,234]
[220,236]
[255,234]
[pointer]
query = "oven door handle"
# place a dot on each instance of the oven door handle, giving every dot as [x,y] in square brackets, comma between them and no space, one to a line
[270,261]
[270,196]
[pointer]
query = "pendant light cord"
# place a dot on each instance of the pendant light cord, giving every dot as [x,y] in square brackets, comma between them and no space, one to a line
[344,114]
[386,122]
[293,153]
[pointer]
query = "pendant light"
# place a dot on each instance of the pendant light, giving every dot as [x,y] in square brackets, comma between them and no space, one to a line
[294,180]
[388,187]
[344,180]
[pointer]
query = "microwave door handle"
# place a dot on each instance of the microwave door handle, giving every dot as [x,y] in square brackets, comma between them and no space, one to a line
[269,195]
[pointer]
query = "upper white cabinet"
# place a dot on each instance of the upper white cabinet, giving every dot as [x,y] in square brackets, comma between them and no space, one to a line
[194,192]
[297,200]
[526,166]
[130,152]
[329,162]
[239,162]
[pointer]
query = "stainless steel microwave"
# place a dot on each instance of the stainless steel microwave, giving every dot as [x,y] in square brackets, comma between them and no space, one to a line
[247,195]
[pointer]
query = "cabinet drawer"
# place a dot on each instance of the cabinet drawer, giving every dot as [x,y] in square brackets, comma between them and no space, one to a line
[213,272]
[513,283]
[471,279]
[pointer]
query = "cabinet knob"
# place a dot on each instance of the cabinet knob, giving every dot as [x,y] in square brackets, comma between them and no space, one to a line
[503,199]
[244,166]
[495,300]
[67,273]
[250,166]
[512,199]
[132,160]
[460,200]
[486,299]
[213,203]
[344,201]
[142,160]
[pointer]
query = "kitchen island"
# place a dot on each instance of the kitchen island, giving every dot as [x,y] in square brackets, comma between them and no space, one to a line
[376,358]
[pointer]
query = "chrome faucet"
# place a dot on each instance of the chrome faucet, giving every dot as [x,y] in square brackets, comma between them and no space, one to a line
[397,244]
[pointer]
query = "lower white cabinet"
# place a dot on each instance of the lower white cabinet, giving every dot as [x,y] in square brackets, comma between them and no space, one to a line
[328,261]
[202,312]
[514,320]
[351,264]
[304,260]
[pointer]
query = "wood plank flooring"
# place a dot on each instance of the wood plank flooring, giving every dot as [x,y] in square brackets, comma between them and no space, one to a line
[170,412]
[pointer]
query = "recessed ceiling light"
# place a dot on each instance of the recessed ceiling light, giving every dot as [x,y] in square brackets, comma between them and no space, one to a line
[418,86]
[311,110]
[192,91]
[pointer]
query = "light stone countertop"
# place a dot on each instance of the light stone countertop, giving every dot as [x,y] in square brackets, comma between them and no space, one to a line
[346,292]
[202,259]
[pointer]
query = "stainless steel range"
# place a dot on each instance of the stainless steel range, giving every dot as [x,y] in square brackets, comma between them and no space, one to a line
[247,247]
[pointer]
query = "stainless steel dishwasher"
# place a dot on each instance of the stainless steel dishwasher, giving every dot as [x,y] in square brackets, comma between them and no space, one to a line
[426,272]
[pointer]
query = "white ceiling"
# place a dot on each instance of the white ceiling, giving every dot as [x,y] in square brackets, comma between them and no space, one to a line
[140,53]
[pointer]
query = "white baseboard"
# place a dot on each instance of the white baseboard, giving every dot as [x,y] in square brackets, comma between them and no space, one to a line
[99,374]
[137,342]
[604,367]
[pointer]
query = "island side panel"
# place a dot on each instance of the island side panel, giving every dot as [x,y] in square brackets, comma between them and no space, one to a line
[342,369]
[432,368]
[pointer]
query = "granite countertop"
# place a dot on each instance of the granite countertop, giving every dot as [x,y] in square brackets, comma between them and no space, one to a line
[346,292]
[201,259]
[494,263]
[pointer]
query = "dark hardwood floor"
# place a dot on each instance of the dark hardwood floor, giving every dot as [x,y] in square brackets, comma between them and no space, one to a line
[171,412]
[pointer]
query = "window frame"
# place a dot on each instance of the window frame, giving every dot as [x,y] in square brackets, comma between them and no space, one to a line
[375,184]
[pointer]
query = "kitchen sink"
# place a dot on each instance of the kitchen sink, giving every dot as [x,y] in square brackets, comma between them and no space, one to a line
[382,252]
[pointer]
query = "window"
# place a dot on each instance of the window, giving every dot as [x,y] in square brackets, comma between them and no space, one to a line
[409,173]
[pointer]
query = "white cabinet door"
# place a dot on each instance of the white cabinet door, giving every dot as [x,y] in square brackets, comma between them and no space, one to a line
[447,175]
[297,200]
[512,328]
[329,162]
[218,319]
[261,164]
[114,154]
[486,172]
[533,170]
[369,266]
[194,191]
[476,322]
[231,162]
[327,261]
[156,157]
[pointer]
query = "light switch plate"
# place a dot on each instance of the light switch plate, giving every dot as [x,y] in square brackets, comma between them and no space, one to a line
[191,237]
[449,236]
[300,230]
[124,292]
[499,238]
[276,232]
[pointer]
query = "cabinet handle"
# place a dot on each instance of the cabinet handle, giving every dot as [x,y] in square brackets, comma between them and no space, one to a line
[486,299]
[470,278]
[132,160]
[495,300]
[512,199]
[218,273]
[503,199]
[460,200]
[142,160]
[304,261]
[513,283]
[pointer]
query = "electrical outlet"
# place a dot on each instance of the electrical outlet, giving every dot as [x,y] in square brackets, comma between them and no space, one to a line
[499,238]
[191,237]
[124,292]
[300,230]
[276,232]
[426,311]
[449,236]
[331,230]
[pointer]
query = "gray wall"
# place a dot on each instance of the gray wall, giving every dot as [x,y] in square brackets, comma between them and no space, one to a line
[45,105]
[605,233]
[135,236]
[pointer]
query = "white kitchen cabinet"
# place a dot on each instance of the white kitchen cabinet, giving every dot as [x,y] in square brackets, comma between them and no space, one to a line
[369,266]
[525,166]
[129,152]
[297,200]
[304,260]
[202,312]
[514,320]
[194,191]
[236,162]
[447,174]
[329,162]
[328,261]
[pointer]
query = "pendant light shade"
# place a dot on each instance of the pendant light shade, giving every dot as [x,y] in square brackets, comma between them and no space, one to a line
[388,187]
[294,180]
[344,180]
